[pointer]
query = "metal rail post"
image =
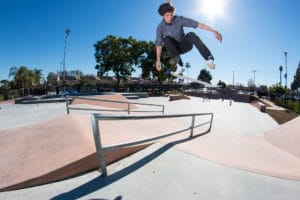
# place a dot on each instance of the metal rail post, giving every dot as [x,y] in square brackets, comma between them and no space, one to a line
[192,126]
[67,104]
[211,119]
[99,149]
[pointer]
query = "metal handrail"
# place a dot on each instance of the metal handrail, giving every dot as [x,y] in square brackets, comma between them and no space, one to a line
[113,101]
[97,138]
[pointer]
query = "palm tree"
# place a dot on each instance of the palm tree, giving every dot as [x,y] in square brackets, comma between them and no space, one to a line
[19,79]
[24,78]
[4,82]
[4,88]
[38,76]
[188,66]
[280,69]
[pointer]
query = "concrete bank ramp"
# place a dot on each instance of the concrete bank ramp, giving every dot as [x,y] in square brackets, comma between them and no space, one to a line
[275,154]
[114,97]
[50,151]
[286,137]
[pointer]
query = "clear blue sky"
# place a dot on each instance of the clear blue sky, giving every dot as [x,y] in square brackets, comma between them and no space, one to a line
[255,34]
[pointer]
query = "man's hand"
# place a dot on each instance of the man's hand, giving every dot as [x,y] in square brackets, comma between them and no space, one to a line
[208,28]
[158,54]
[158,66]
[218,36]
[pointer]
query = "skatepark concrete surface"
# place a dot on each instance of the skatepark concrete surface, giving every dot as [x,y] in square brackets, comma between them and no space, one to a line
[241,158]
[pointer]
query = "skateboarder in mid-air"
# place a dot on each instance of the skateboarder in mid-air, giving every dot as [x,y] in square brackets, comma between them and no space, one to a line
[170,34]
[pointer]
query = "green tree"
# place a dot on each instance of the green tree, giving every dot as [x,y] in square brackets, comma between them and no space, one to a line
[119,55]
[122,55]
[147,62]
[205,76]
[4,87]
[222,84]
[38,77]
[147,59]
[4,83]
[53,79]
[24,78]
[262,91]
[296,82]
[275,90]
[87,80]
[20,77]
[187,65]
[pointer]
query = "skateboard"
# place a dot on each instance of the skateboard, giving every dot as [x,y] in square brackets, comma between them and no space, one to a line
[193,80]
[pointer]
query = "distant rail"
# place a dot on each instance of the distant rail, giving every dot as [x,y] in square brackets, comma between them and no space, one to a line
[128,110]
[97,138]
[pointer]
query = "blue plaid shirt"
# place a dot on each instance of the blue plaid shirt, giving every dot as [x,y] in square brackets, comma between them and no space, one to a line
[174,29]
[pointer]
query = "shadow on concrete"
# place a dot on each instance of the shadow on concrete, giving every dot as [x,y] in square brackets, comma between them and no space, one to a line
[101,182]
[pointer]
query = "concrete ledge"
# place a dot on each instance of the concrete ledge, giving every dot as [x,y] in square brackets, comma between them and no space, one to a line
[178,97]
[245,98]
[260,106]
[132,97]
[136,94]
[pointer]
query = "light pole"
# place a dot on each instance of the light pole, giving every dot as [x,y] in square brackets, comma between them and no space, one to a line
[285,76]
[254,87]
[280,70]
[233,79]
[254,71]
[68,31]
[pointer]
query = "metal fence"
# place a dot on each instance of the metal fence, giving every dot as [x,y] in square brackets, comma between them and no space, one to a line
[97,134]
[128,110]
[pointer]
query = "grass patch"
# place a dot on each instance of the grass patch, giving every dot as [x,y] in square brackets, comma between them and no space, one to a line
[1,98]
[282,116]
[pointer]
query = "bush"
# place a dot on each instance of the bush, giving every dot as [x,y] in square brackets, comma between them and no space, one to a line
[292,105]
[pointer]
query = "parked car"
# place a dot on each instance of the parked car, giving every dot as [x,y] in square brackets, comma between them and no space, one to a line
[285,97]
[296,98]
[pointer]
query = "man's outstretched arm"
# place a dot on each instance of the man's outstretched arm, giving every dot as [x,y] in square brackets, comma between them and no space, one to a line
[208,28]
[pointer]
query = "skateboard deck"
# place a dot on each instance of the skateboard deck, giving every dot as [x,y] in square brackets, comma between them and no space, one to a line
[193,80]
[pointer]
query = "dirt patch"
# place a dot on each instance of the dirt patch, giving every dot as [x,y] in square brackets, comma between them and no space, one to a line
[282,116]
[7,102]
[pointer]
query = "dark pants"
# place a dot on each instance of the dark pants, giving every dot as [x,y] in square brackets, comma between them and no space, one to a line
[186,44]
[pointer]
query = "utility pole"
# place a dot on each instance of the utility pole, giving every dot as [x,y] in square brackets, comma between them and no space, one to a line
[68,31]
[285,76]
[280,70]
[233,79]
[254,87]
[254,71]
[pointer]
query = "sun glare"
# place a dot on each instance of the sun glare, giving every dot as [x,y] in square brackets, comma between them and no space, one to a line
[213,8]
